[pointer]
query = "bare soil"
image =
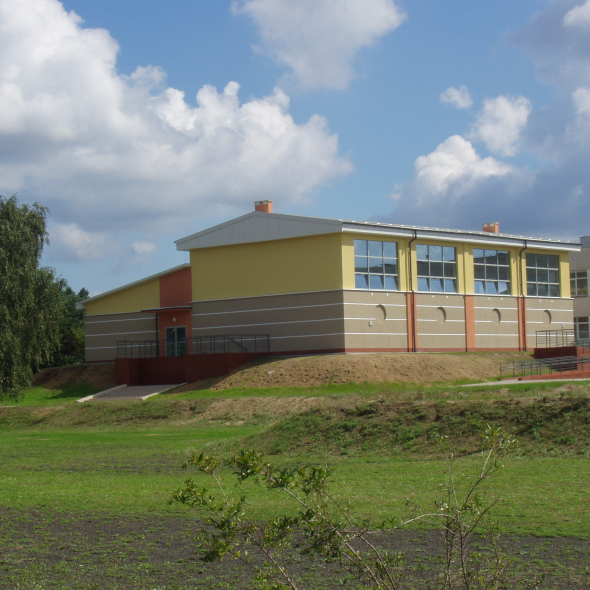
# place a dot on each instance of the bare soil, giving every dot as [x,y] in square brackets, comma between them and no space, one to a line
[314,371]
[86,552]
[98,375]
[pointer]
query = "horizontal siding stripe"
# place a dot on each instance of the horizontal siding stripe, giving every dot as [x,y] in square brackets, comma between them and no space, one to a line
[275,323]
[119,333]
[144,319]
[431,320]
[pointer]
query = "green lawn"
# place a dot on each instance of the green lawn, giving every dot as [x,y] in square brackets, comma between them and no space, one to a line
[133,473]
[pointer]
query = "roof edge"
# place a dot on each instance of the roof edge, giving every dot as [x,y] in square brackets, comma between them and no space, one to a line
[82,304]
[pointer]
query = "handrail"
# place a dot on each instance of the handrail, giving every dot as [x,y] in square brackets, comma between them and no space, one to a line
[546,366]
[258,343]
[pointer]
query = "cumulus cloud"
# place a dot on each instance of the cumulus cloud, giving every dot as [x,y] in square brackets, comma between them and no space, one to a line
[500,123]
[319,39]
[579,16]
[143,248]
[108,152]
[455,187]
[73,244]
[457,97]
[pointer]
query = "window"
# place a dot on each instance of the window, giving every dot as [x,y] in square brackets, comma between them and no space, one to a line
[176,341]
[437,269]
[491,269]
[375,265]
[582,329]
[579,282]
[542,275]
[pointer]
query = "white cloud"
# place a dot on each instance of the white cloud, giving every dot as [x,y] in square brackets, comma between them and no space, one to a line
[69,242]
[114,152]
[143,248]
[319,39]
[579,16]
[500,123]
[457,97]
[453,167]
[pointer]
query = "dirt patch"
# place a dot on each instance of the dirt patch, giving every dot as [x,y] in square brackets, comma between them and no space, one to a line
[99,376]
[314,371]
[81,551]
[276,407]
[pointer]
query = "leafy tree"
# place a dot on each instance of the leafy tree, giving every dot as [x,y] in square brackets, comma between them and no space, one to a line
[30,298]
[71,327]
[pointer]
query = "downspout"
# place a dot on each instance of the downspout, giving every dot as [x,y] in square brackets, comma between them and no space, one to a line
[157,335]
[523,311]
[412,291]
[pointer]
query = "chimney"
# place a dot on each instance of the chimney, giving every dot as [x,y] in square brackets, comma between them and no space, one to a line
[263,206]
[492,227]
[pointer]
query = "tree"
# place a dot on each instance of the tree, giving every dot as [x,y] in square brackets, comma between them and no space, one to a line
[30,298]
[70,349]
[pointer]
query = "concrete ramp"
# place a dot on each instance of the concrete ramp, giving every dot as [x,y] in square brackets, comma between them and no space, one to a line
[123,392]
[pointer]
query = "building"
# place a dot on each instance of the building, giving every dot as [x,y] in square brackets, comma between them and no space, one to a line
[328,285]
[579,265]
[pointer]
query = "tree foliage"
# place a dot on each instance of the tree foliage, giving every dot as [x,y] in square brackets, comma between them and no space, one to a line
[30,297]
[70,349]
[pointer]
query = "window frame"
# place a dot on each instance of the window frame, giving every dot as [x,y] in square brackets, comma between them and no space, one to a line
[384,261]
[432,259]
[542,268]
[485,281]
[574,282]
[584,321]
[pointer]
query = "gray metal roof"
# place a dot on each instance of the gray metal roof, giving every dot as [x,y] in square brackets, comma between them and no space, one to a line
[262,227]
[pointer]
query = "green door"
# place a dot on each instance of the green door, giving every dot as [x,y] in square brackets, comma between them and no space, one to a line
[176,344]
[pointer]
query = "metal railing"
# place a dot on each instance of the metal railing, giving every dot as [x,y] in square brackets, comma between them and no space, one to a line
[132,349]
[552,338]
[546,366]
[231,343]
[258,343]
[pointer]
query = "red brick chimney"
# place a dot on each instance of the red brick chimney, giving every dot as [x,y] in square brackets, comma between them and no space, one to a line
[263,206]
[492,227]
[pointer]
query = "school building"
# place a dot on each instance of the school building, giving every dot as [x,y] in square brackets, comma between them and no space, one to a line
[317,285]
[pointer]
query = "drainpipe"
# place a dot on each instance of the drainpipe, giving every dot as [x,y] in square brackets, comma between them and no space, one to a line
[412,290]
[522,283]
[157,335]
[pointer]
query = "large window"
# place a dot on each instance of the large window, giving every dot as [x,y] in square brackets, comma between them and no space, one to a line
[375,265]
[492,272]
[437,268]
[542,275]
[579,282]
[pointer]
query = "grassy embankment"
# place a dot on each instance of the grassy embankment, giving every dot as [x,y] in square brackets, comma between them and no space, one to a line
[116,463]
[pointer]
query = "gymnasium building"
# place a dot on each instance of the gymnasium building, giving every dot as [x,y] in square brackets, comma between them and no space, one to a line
[310,285]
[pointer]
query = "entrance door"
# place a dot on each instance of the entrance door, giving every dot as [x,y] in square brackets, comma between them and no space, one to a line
[176,344]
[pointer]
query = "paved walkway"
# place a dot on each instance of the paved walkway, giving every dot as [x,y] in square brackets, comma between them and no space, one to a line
[523,381]
[122,392]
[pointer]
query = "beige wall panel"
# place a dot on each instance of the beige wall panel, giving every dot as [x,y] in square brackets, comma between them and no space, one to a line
[311,342]
[102,332]
[497,341]
[560,312]
[581,307]
[306,321]
[441,341]
[375,340]
[496,322]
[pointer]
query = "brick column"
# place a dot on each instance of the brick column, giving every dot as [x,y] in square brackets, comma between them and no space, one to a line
[411,322]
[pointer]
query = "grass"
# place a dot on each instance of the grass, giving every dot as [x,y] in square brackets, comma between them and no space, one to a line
[84,487]
[67,394]
[134,472]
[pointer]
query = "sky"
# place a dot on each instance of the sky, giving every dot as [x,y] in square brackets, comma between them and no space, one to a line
[138,123]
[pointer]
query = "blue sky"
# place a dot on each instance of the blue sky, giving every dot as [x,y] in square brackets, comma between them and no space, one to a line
[446,114]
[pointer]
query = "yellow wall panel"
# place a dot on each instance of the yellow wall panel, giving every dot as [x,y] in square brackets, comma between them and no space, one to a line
[135,298]
[312,263]
[564,275]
